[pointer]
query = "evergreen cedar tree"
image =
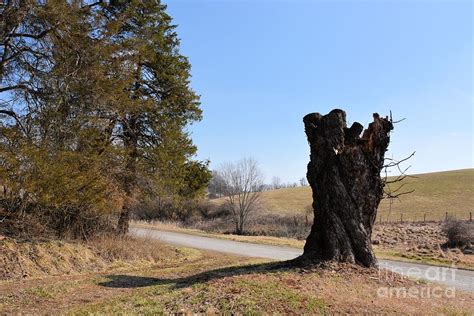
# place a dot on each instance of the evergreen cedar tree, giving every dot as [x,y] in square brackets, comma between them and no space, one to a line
[96,99]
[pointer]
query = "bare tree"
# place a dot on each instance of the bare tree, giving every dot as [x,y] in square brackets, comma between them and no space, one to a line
[243,186]
[216,186]
[276,183]
[303,182]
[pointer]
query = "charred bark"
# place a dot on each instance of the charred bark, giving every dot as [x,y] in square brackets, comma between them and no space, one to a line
[344,174]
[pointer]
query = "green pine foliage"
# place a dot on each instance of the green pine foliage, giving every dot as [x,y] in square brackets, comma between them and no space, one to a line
[96,100]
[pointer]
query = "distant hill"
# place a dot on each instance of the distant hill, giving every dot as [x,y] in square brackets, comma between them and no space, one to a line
[435,194]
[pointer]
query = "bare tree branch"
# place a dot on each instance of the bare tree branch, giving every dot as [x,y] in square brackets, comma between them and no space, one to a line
[16,117]
[395,194]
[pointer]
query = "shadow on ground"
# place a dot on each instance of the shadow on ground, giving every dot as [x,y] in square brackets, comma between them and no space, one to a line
[131,281]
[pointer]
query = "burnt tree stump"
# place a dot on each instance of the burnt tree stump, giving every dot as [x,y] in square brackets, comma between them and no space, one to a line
[344,175]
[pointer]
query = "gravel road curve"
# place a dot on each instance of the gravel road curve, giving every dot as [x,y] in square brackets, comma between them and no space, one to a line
[456,278]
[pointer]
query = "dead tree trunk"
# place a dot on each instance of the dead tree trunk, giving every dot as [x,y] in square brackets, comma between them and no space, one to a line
[344,174]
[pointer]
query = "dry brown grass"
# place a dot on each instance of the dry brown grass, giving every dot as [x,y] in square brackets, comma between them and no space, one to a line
[124,248]
[41,258]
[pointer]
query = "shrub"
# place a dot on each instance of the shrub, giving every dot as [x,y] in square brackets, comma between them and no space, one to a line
[266,224]
[263,224]
[208,210]
[165,209]
[459,233]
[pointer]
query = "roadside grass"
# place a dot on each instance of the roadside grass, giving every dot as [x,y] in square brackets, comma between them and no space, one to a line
[33,296]
[266,288]
[56,290]
[434,195]
[42,258]
[213,283]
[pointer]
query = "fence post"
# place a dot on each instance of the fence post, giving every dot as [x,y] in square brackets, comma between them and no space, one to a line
[424,218]
[401,218]
[470,216]
[446,219]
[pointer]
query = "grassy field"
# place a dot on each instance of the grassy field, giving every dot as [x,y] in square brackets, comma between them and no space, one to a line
[210,283]
[435,194]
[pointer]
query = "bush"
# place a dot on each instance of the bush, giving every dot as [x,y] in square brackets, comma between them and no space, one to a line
[164,209]
[39,222]
[297,226]
[264,224]
[210,211]
[459,233]
[65,193]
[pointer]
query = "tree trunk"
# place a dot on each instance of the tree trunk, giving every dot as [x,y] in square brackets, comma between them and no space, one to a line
[239,226]
[123,222]
[344,174]
[129,177]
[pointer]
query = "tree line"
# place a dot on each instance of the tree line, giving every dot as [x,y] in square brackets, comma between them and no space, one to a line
[218,184]
[95,99]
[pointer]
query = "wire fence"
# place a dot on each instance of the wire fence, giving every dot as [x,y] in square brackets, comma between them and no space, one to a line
[425,218]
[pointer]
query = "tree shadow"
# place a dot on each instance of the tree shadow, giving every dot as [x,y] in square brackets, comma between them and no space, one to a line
[130,281]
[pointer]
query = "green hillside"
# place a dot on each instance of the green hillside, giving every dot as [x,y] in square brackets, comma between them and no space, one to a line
[435,194]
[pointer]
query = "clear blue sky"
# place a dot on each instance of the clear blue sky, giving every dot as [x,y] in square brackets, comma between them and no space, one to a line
[260,66]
